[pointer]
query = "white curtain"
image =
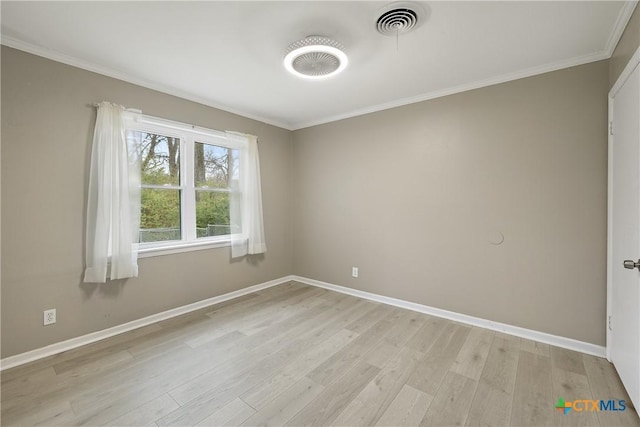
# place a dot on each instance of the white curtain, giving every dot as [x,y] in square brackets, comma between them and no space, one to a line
[246,207]
[113,209]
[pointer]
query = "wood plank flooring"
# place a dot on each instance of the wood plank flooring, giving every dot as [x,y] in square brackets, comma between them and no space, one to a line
[297,355]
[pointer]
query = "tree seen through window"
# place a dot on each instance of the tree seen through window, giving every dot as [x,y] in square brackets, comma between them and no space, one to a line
[215,176]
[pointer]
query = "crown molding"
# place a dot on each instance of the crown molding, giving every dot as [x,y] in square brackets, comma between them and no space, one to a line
[614,37]
[120,75]
[554,66]
[621,23]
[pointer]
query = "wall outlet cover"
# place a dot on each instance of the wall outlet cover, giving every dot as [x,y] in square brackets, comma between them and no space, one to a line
[50,317]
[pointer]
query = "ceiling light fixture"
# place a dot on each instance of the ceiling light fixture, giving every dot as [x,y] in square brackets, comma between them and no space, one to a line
[315,57]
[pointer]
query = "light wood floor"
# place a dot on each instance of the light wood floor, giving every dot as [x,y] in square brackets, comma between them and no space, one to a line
[298,355]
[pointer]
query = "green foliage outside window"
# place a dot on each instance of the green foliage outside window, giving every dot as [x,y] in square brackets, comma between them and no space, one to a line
[159,158]
[211,209]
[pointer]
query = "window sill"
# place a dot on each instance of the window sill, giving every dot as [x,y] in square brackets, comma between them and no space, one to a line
[180,247]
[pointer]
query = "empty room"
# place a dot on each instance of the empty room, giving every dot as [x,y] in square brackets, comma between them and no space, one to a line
[320,213]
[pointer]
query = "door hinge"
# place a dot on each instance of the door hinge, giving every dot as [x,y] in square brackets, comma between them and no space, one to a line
[611,128]
[609,323]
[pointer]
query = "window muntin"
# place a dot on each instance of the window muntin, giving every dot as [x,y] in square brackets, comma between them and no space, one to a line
[189,177]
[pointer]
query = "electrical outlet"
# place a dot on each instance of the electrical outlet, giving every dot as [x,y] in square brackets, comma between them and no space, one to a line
[354,271]
[50,317]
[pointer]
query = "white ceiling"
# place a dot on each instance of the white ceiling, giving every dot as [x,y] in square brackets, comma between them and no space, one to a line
[229,54]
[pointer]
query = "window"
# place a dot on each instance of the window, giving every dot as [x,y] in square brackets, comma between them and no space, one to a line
[161,189]
[215,174]
[189,184]
[190,187]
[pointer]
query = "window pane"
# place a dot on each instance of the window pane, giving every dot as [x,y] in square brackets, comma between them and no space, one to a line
[214,166]
[212,214]
[159,157]
[160,215]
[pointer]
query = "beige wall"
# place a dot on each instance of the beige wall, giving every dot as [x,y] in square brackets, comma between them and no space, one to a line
[415,195]
[47,123]
[626,47]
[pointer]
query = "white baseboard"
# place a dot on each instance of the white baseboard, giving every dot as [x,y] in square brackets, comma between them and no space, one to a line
[50,350]
[568,343]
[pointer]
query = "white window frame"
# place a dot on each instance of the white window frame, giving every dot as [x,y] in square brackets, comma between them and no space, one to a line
[188,135]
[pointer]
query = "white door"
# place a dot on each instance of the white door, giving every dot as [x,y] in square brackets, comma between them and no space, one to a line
[623,332]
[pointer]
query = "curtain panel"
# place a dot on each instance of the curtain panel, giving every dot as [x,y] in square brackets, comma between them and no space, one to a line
[248,210]
[113,208]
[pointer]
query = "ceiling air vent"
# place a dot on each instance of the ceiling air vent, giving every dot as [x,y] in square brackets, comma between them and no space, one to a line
[315,57]
[399,18]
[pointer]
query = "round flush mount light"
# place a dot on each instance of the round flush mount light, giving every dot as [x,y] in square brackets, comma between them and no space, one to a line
[315,57]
